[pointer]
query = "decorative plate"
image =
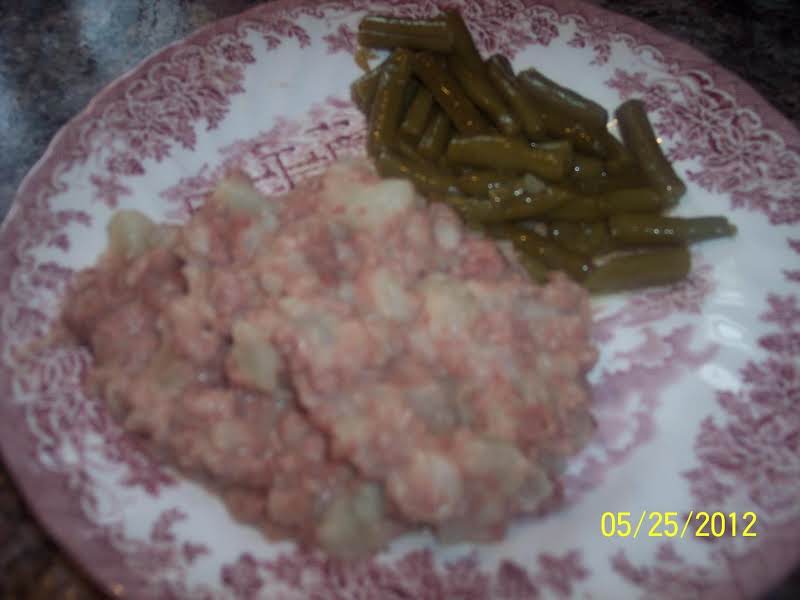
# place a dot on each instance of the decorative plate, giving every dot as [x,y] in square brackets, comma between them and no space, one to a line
[697,392]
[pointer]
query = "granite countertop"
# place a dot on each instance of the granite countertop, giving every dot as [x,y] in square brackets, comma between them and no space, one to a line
[55,55]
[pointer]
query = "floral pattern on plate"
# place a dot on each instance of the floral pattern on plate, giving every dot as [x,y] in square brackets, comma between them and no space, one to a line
[704,373]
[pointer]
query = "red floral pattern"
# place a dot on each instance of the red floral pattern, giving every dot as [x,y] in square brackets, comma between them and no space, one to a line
[793,275]
[343,40]
[731,573]
[753,450]
[627,393]
[301,575]
[685,297]
[660,581]
[165,106]
[108,190]
[625,400]
[276,160]
[756,449]
[503,27]
[158,553]
[161,109]
[738,156]
[599,33]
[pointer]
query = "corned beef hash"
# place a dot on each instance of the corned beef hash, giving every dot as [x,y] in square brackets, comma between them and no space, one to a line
[341,365]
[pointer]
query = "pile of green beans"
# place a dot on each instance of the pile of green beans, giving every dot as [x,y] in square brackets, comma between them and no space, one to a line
[524,159]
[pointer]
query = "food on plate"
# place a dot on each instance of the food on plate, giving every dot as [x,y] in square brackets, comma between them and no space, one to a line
[391,32]
[436,136]
[480,90]
[343,364]
[517,155]
[641,140]
[657,267]
[592,238]
[652,229]
[502,77]
[603,206]
[363,89]
[554,98]
[387,104]
[433,71]
[512,200]
[423,176]
[417,116]
[550,253]
[549,162]
[355,360]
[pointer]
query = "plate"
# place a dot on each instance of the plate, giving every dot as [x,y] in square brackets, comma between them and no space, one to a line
[696,391]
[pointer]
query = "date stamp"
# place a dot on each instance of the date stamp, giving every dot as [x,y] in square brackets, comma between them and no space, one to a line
[699,524]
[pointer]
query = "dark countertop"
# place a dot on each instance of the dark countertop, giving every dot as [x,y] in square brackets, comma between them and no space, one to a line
[55,55]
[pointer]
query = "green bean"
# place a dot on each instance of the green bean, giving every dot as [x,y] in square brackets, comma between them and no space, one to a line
[516,187]
[588,141]
[418,112]
[418,34]
[632,200]
[607,182]
[498,152]
[530,121]
[424,177]
[471,209]
[408,98]
[503,63]
[547,251]
[552,146]
[550,95]
[642,142]
[620,161]
[409,94]
[362,90]
[597,208]
[514,200]
[652,229]
[386,108]
[592,239]
[480,90]
[534,196]
[586,167]
[474,210]
[432,70]
[409,152]
[658,267]
[362,56]
[463,44]
[465,206]
[479,183]
[437,135]
[581,208]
